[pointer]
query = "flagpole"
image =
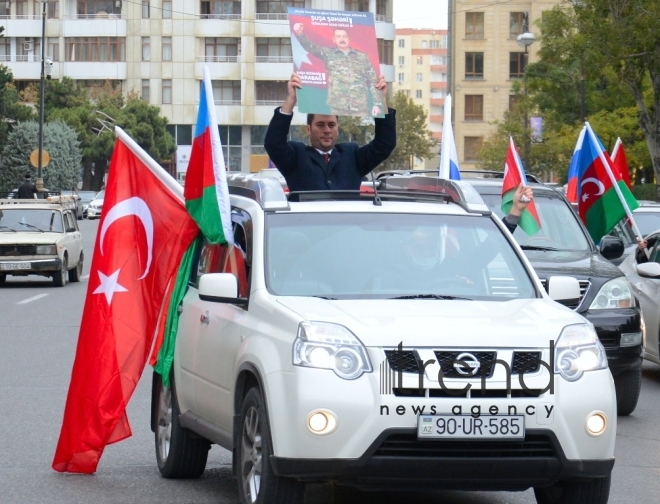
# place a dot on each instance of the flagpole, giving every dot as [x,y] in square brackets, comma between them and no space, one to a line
[616,148]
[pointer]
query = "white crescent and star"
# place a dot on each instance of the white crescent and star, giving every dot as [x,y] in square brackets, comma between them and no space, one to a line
[138,208]
[592,180]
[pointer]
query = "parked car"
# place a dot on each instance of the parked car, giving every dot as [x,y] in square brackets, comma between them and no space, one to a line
[86,197]
[647,217]
[96,206]
[369,345]
[78,200]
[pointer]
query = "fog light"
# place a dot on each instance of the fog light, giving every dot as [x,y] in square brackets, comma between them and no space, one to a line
[596,423]
[321,422]
[631,339]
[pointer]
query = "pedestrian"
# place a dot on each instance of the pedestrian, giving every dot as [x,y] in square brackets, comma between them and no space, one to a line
[352,80]
[326,164]
[27,190]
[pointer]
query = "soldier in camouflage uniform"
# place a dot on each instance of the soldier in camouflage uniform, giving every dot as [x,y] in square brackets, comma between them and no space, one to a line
[351,76]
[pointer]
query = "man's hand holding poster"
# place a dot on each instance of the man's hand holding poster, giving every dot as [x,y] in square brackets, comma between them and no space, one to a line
[336,56]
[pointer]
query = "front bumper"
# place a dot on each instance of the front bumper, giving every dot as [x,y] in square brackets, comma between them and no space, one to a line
[94,212]
[33,266]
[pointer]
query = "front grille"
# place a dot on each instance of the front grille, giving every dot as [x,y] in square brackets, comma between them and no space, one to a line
[407,445]
[609,339]
[446,362]
[408,358]
[17,250]
[527,361]
[584,288]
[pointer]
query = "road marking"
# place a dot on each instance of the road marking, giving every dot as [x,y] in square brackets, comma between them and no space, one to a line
[85,277]
[33,298]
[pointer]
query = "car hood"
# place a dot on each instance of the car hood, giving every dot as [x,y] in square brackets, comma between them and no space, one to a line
[377,322]
[28,238]
[578,264]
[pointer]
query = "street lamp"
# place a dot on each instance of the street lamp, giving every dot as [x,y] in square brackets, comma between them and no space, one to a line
[40,180]
[525,40]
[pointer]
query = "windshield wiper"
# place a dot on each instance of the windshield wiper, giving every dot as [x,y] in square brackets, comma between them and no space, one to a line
[327,297]
[5,228]
[534,247]
[431,296]
[32,227]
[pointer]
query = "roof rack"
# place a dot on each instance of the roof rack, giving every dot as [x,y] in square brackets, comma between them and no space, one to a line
[263,188]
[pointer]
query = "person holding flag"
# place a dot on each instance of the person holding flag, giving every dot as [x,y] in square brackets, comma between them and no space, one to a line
[517,196]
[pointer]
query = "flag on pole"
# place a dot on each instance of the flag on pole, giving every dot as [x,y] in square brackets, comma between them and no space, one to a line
[448,156]
[514,175]
[620,163]
[206,191]
[143,233]
[603,198]
[572,190]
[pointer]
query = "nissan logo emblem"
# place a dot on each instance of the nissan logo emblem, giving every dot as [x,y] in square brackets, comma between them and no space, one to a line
[471,361]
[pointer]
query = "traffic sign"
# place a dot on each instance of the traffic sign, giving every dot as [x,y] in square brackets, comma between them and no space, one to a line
[34,158]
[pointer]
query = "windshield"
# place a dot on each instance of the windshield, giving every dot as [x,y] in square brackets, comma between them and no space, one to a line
[348,255]
[560,229]
[31,219]
[99,196]
[86,195]
[647,222]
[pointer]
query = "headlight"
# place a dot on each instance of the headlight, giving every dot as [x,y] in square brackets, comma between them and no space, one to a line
[330,346]
[578,349]
[46,250]
[614,294]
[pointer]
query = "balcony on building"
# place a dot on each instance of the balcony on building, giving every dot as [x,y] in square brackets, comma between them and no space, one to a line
[95,57]
[86,18]
[437,101]
[219,17]
[222,55]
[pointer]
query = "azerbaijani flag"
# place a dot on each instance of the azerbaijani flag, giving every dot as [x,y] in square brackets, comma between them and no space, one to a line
[514,174]
[206,192]
[448,157]
[620,163]
[572,190]
[603,198]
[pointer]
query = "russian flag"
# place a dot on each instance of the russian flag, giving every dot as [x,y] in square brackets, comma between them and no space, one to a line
[206,191]
[514,175]
[448,156]
[572,190]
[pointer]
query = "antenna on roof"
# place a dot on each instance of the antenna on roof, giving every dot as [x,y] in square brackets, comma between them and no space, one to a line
[377,201]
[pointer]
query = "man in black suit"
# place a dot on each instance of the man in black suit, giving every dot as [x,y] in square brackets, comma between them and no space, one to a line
[325,164]
[27,189]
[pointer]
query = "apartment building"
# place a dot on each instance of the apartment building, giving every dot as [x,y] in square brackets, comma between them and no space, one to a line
[486,60]
[158,48]
[420,67]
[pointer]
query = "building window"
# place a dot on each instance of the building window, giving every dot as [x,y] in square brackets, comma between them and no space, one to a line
[276,9]
[471,148]
[402,42]
[146,48]
[270,92]
[227,92]
[402,77]
[274,50]
[98,9]
[356,5]
[474,107]
[420,60]
[418,93]
[5,49]
[381,10]
[385,51]
[52,9]
[221,9]
[102,49]
[514,100]
[231,138]
[437,94]
[167,10]
[167,48]
[435,44]
[166,95]
[425,44]
[407,93]
[419,77]
[474,25]
[402,60]
[474,65]
[145,90]
[5,10]
[53,48]
[516,22]
[21,8]
[222,49]
[145,10]
[516,65]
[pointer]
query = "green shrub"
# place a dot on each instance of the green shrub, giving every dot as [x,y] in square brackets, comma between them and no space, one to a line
[645,192]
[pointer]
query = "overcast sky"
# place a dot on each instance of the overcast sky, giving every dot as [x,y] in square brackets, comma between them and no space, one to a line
[420,14]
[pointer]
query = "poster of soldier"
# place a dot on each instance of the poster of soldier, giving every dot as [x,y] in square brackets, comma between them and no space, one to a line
[336,56]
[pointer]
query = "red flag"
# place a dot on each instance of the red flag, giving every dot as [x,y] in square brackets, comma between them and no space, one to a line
[142,235]
[620,163]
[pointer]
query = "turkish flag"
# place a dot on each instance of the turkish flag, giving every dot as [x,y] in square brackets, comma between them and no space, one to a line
[620,163]
[143,233]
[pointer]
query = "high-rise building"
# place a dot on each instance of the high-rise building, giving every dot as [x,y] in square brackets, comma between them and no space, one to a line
[486,60]
[157,48]
[420,71]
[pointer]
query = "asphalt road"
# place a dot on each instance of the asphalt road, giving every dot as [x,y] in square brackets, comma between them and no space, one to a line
[38,334]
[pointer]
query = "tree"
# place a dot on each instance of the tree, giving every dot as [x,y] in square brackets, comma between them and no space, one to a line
[11,110]
[413,139]
[60,141]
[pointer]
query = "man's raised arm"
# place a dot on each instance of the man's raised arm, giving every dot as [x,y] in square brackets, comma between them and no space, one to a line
[384,142]
[275,143]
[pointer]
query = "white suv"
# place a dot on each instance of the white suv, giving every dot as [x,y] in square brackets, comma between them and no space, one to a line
[397,342]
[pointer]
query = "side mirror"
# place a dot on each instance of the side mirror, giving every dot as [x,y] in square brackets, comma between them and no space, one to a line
[219,288]
[611,247]
[649,270]
[564,290]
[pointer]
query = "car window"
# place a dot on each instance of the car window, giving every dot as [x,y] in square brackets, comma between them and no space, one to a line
[647,221]
[559,226]
[70,222]
[224,258]
[100,195]
[622,230]
[344,255]
[32,219]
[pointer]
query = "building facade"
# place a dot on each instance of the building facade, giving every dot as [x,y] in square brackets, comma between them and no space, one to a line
[420,68]
[486,61]
[158,49]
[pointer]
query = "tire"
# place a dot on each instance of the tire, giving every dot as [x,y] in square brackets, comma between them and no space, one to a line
[628,385]
[257,483]
[76,273]
[3,277]
[59,278]
[596,491]
[178,454]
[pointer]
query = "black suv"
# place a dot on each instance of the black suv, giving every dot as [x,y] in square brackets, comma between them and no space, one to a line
[564,247]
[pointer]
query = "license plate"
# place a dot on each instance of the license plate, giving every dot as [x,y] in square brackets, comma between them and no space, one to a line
[468,427]
[15,266]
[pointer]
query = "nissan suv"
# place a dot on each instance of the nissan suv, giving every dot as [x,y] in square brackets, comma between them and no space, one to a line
[398,340]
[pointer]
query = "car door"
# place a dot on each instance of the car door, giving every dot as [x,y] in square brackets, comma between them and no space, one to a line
[73,240]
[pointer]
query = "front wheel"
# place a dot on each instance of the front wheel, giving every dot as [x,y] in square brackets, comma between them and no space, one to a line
[76,273]
[3,277]
[256,480]
[596,491]
[59,277]
[627,385]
